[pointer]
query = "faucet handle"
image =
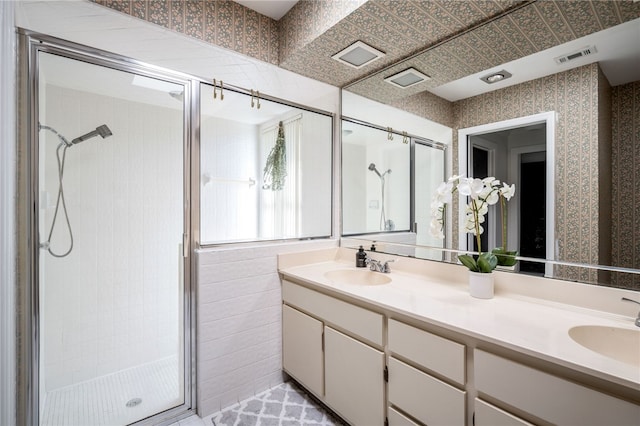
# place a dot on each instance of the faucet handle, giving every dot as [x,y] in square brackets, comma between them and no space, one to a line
[385,267]
[372,263]
[626,299]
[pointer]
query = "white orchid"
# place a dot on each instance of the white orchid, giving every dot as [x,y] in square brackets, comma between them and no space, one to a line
[508,191]
[443,193]
[482,193]
[470,187]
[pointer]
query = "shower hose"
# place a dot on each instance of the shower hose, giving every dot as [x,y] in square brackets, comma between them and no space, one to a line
[64,144]
[383,217]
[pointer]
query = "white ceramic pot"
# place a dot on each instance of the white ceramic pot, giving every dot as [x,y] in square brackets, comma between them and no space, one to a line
[481,285]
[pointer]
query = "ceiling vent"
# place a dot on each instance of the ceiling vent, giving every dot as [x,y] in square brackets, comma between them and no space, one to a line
[585,51]
[358,55]
[407,78]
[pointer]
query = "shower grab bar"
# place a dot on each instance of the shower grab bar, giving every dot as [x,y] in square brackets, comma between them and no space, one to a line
[207,178]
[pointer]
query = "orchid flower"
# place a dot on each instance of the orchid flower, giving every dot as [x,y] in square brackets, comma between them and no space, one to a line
[482,193]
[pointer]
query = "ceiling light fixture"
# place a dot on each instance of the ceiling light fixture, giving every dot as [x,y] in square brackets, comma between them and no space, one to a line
[407,78]
[358,55]
[496,77]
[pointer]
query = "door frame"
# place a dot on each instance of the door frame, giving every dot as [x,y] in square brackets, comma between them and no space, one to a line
[549,118]
[491,220]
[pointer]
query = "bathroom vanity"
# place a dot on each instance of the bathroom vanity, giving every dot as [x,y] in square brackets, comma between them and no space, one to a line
[411,347]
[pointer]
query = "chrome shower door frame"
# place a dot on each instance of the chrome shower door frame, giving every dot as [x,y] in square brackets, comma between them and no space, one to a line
[30,45]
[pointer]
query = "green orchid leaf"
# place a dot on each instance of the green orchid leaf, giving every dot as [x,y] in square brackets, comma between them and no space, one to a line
[487,262]
[469,262]
[505,257]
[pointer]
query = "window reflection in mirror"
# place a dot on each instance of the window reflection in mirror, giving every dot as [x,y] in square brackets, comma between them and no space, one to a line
[265,174]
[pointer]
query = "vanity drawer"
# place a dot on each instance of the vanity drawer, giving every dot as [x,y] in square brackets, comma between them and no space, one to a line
[435,353]
[488,415]
[427,399]
[398,419]
[354,319]
[547,396]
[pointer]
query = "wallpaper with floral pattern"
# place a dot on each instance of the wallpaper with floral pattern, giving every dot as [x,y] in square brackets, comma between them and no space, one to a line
[223,23]
[625,206]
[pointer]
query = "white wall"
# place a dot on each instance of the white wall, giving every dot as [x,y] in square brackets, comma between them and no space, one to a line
[7,219]
[115,301]
[239,330]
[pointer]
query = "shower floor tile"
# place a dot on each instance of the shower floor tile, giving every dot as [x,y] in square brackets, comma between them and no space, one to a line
[284,405]
[103,401]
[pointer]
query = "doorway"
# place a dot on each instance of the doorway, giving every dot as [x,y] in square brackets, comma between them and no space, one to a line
[520,152]
[532,211]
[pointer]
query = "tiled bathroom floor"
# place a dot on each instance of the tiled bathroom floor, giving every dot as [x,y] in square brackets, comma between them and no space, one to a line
[284,405]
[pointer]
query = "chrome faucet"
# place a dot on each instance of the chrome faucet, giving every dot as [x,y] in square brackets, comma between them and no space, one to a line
[377,266]
[634,301]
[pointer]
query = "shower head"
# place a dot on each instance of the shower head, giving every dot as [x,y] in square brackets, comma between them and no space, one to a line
[102,131]
[372,167]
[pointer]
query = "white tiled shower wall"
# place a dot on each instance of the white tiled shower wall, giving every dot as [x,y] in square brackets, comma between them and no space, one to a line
[239,322]
[114,302]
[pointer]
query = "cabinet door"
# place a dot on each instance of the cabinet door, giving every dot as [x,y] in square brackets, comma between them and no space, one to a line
[354,379]
[302,349]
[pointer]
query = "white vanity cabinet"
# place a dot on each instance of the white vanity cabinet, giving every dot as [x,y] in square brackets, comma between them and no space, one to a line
[546,396]
[415,389]
[341,348]
[335,350]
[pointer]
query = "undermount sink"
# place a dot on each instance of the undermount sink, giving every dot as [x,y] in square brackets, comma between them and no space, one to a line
[618,343]
[357,277]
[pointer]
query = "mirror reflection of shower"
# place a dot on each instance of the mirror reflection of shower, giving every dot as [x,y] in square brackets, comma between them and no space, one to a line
[102,131]
[386,225]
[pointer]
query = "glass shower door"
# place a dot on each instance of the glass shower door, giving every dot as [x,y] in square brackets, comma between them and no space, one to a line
[111,224]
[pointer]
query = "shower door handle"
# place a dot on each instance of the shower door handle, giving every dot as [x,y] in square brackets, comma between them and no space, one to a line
[185,245]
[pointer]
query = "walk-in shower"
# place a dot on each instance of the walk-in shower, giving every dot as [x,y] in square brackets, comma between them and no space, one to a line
[111,276]
[385,224]
[102,131]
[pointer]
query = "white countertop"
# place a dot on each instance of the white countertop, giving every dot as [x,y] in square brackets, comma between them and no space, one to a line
[531,326]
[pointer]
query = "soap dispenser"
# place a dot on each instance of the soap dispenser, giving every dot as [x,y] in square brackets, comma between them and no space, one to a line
[361,258]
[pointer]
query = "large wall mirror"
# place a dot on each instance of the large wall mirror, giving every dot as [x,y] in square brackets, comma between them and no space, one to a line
[564,132]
